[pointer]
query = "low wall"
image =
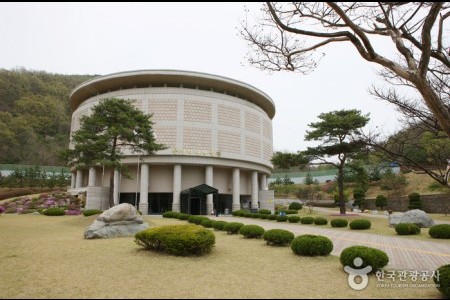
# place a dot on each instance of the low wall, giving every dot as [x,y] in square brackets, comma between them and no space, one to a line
[439,203]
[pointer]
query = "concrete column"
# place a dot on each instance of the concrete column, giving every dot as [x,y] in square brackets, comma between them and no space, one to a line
[209,179]
[176,188]
[143,203]
[79,181]
[254,190]
[116,187]
[73,180]
[236,190]
[92,176]
[263,182]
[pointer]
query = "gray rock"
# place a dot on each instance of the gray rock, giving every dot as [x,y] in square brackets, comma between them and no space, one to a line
[121,212]
[416,216]
[120,220]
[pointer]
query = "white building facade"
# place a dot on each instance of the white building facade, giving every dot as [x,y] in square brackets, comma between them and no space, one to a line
[218,132]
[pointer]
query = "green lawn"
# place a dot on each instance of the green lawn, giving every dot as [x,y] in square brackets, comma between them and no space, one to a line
[47,257]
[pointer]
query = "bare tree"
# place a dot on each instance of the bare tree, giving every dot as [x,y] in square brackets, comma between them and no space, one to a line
[289,36]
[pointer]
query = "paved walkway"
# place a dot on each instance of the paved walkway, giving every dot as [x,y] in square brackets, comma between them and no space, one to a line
[404,253]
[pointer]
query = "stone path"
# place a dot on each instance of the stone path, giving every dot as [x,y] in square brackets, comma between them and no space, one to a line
[404,253]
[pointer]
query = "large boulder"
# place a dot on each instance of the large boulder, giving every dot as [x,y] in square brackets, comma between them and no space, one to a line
[120,220]
[416,216]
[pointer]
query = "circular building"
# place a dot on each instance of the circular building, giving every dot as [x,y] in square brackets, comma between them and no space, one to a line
[219,137]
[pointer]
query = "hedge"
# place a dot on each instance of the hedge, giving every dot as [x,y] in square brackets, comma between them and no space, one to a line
[180,240]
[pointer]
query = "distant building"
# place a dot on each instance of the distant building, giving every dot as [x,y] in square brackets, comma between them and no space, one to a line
[219,137]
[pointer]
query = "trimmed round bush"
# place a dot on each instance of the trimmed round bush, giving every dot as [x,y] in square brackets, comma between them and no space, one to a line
[238,213]
[256,216]
[182,216]
[54,211]
[190,218]
[218,225]
[407,229]
[252,231]
[311,245]
[232,227]
[199,219]
[264,216]
[444,280]
[360,224]
[339,223]
[320,221]
[170,214]
[272,217]
[278,237]
[265,212]
[375,258]
[295,206]
[282,218]
[307,220]
[182,240]
[247,215]
[91,212]
[441,231]
[294,219]
[207,223]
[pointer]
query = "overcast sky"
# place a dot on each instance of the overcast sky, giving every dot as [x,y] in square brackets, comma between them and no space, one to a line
[98,38]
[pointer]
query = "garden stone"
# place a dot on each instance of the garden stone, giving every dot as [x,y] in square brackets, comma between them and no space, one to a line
[416,216]
[120,220]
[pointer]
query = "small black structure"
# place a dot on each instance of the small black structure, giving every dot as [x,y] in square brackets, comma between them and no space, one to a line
[193,200]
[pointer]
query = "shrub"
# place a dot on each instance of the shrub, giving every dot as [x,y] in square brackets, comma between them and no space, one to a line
[190,218]
[311,245]
[307,220]
[339,223]
[2,209]
[182,216]
[218,225]
[265,212]
[375,258]
[441,231]
[320,221]
[69,212]
[255,216]
[199,219]
[381,201]
[272,217]
[207,223]
[264,216]
[247,215]
[177,239]
[232,227]
[238,213]
[294,219]
[282,218]
[170,214]
[407,229]
[286,211]
[414,201]
[295,206]
[251,231]
[444,280]
[360,224]
[91,212]
[54,211]
[278,237]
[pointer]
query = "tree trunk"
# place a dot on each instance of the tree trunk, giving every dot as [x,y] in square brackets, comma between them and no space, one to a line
[436,106]
[341,189]
[111,188]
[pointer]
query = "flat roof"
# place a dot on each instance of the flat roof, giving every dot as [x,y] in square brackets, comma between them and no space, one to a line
[145,78]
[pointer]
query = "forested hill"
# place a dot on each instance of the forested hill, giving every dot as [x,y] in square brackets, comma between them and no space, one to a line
[34,115]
